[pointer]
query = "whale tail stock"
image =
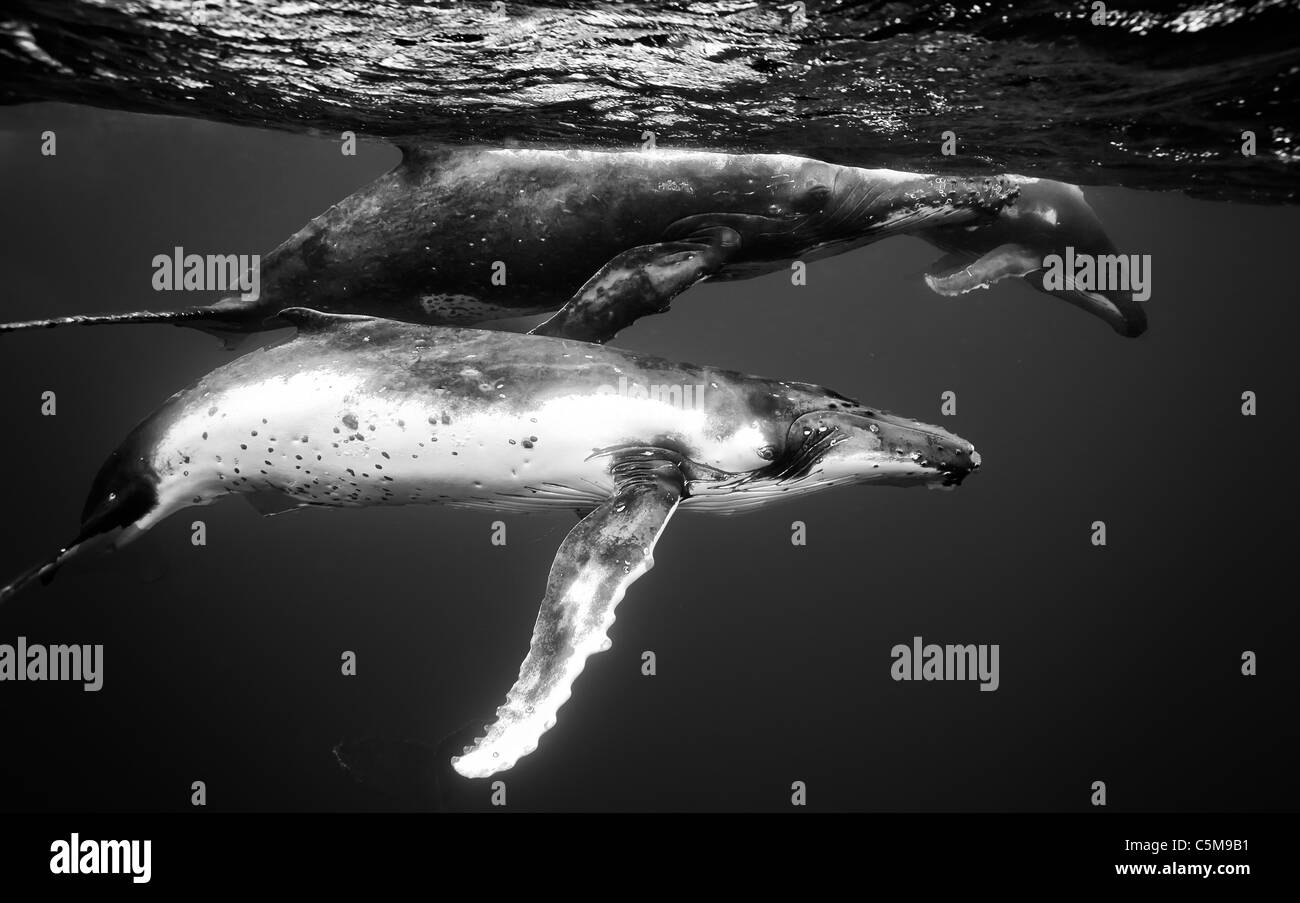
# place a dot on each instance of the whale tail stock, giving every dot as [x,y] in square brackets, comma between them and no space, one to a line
[93,535]
[119,506]
[228,319]
[42,573]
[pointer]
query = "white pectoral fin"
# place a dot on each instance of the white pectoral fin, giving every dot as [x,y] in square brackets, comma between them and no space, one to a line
[957,273]
[596,563]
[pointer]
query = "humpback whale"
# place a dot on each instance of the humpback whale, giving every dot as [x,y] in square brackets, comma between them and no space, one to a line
[462,236]
[359,411]
[1048,218]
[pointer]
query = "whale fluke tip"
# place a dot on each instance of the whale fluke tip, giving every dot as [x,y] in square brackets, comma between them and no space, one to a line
[43,572]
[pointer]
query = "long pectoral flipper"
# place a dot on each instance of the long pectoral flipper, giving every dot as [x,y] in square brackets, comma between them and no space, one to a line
[639,282]
[598,560]
[957,273]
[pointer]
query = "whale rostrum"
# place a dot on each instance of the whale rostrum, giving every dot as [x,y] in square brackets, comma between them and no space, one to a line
[356,411]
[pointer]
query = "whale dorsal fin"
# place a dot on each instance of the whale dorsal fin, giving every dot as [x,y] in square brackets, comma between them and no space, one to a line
[599,559]
[309,320]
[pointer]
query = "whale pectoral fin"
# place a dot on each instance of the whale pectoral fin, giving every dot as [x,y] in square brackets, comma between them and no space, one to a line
[640,282]
[956,273]
[1119,308]
[944,266]
[598,560]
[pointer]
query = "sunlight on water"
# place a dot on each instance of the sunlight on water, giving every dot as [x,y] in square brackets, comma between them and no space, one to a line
[1156,98]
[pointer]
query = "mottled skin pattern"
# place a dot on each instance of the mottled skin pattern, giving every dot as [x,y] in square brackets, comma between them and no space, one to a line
[1047,218]
[380,386]
[358,411]
[432,227]
[419,243]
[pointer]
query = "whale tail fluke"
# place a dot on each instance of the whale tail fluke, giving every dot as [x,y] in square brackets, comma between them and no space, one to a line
[104,529]
[42,573]
[122,504]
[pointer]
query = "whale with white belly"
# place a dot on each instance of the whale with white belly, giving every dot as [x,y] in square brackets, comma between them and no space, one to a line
[357,411]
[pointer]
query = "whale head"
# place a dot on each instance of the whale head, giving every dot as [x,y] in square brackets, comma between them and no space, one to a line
[787,208]
[835,447]
[824,440]
[1040,238]
[839,207]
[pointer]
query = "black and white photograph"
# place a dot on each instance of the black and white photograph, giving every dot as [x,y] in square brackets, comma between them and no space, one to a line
[418,413]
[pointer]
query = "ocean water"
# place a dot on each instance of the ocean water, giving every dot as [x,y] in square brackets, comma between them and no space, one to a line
[1155,96]
[1119,663]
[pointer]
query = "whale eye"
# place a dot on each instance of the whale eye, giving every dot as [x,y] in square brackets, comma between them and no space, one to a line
[766,452]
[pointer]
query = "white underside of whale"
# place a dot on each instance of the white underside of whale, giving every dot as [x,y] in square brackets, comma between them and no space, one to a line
[323,438]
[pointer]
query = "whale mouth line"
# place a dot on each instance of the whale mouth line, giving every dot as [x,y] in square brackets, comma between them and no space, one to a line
[790,470]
